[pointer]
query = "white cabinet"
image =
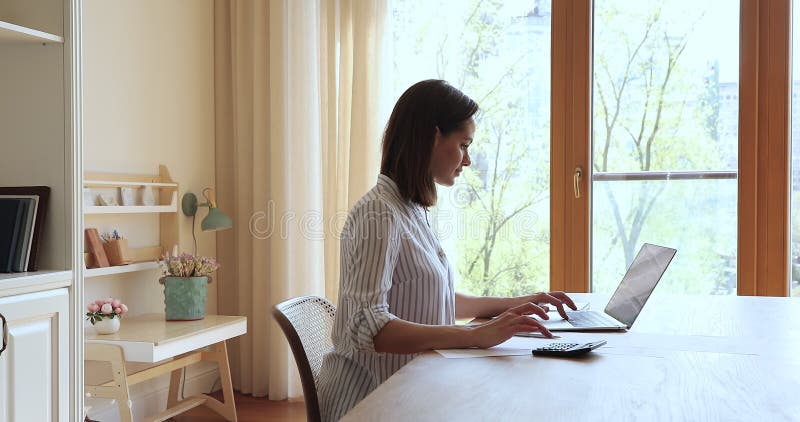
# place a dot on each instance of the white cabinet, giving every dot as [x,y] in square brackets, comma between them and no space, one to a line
[34,368]
[41,372]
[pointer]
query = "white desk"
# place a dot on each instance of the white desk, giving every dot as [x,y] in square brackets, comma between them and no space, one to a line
[173,345]
[687,358]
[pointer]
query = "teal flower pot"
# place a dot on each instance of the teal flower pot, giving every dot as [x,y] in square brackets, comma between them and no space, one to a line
[185,297]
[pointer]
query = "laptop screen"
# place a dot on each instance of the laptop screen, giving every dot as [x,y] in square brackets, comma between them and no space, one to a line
[640,280]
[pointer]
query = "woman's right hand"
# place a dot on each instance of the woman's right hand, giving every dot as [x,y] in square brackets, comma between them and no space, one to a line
[510,322]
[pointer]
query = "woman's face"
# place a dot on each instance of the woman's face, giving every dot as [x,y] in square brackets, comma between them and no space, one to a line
[450,154]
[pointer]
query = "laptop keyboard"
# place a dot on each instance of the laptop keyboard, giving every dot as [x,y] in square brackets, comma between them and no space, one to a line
[588,319]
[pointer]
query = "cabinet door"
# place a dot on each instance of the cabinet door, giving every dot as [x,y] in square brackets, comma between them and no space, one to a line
[34,368]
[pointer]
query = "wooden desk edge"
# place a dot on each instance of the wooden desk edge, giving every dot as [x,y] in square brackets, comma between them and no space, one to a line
[152,352]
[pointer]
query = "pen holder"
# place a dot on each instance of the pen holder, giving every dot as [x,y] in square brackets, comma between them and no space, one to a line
[118,252]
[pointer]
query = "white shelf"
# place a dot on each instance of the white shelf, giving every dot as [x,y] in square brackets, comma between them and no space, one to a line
[119,269]
[33,281]
[35,276]
[10,33]
[102,183]
[130,209]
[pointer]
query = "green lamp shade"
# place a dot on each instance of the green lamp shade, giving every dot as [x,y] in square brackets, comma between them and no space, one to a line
[216,220]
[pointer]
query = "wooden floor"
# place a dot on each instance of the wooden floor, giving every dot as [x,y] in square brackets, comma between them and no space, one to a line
[251,409]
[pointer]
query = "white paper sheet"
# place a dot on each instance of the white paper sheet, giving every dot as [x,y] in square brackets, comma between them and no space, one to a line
[514,346]
[482,353]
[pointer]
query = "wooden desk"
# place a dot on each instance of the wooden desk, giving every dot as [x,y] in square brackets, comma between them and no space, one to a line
[173,345]
[686,358]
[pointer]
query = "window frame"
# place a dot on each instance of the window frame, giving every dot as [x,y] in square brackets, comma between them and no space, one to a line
[763,255]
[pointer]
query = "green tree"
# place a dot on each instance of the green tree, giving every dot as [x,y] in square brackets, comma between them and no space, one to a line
[497,57]
[506,250]
[647,114]
[667,118]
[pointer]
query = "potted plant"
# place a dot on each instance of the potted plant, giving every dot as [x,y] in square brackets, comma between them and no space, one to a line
[185,279]
[105,314]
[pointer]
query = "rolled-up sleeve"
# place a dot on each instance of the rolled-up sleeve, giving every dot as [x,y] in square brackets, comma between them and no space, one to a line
[371,250]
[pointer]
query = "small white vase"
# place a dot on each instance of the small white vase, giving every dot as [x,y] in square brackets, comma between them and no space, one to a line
[107,326]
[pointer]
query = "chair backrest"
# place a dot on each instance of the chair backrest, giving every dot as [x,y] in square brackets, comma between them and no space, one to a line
[307,322]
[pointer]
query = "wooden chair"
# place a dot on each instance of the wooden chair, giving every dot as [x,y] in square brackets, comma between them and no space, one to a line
[307,322]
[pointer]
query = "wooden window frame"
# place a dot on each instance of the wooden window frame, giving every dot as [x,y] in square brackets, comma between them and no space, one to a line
[763,264]
[570,143]
[764,148]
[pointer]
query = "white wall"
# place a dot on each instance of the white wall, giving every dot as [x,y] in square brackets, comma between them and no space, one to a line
[148,100]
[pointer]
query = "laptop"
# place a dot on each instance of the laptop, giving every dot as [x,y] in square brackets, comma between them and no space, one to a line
[628,300]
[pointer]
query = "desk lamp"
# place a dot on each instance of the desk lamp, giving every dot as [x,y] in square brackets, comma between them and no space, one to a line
[215,220]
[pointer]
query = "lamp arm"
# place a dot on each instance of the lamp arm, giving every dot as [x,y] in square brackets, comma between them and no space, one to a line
[208,193]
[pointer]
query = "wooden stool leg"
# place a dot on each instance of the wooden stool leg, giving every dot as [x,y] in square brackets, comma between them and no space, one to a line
[227,409]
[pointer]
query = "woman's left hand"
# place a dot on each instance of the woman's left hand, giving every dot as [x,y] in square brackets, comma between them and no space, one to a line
[504,326]
[557,299]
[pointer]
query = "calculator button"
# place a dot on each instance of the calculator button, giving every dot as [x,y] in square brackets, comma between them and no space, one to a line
[559,346]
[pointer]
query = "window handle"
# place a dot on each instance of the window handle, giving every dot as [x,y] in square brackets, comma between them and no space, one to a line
[576,181]
[5,334]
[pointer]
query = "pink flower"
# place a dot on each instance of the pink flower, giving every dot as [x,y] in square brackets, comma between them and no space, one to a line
[93,307]
[106,308]
[115,303]
[99,302]
[117,310]
[123,307]
[108,300]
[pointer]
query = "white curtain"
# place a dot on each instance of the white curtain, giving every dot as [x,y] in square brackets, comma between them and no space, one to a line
[298,126]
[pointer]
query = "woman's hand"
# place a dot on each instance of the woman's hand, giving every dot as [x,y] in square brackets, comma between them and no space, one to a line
[557,299]
[510,322]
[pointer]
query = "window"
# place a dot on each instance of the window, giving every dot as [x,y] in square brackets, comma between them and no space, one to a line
[665,140]
[667,107]
[494,223]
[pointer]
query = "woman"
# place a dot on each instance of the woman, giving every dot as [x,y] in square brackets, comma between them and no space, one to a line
[396,294]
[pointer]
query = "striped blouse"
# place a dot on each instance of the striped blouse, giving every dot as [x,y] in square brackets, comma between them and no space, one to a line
[392,266]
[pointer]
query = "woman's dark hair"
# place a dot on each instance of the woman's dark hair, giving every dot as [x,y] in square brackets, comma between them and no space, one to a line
[411,130]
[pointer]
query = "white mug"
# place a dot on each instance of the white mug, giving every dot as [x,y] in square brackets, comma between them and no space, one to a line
[148,196]
[128,196]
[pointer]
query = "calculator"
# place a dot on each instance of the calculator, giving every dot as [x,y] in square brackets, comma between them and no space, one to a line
[567,349]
